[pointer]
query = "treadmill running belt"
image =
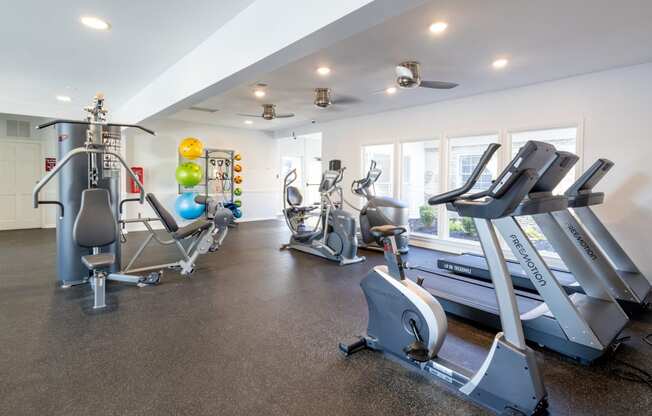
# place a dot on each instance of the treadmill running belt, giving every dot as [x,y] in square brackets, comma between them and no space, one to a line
[475,266]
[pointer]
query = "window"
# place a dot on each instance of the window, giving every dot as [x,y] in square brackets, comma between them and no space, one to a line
[289,163]
[563,139]
[464,153]
[383,155]
[467,165]
[420,181]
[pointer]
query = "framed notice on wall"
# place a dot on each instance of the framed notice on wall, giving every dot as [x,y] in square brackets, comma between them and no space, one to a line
[50,163]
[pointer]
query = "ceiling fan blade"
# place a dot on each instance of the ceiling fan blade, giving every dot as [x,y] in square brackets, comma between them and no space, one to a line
[284,115]
[346,100]
[384,90]
[249,115]
[439,85]
[402,71]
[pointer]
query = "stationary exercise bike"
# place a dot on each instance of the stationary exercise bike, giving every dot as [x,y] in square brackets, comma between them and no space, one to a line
[379,210]
[333,236]
[407,322]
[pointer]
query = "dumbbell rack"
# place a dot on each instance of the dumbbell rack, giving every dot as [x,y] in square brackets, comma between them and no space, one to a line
[210,156]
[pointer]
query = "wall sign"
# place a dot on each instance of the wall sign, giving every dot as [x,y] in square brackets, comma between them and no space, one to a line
[50,163]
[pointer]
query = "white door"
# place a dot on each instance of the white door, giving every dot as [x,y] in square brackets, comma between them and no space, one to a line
[20,169]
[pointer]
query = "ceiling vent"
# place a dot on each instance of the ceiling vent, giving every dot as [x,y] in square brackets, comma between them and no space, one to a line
[17,128]
[205,110]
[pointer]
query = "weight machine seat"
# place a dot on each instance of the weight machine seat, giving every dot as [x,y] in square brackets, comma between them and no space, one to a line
[293,196]
[387,230]
[190,229]
[171,225]
[98,261]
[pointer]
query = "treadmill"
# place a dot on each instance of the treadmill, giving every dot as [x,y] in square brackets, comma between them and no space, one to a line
[582,326]
[607,260]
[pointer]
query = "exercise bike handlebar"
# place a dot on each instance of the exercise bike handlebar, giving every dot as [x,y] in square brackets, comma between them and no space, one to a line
[454,194]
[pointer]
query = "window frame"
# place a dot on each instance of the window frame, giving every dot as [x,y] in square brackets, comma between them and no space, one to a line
[399,188]
[442,240]
[393,174]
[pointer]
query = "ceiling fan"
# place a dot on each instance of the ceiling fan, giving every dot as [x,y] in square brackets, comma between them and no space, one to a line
[323,98]
[269,113]
[408,75]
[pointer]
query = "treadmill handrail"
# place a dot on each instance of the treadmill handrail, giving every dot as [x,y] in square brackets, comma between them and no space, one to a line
[585,183]
[452,195]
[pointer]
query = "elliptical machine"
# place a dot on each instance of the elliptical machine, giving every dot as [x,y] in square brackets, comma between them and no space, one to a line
[333,236]
[379,210]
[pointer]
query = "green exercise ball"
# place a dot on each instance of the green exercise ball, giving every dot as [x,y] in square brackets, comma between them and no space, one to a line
[188,174]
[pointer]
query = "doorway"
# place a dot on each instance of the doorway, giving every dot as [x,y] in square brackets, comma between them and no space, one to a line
[303,153]
[20,169]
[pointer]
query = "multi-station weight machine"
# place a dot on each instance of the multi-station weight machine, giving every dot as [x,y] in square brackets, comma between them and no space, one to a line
[88,154]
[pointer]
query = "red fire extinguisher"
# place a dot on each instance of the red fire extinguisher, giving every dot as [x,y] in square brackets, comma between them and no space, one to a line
[132,187]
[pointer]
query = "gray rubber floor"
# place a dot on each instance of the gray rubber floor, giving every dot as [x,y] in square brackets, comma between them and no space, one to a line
[253,332]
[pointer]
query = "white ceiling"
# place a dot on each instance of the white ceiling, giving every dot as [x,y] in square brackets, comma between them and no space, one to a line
[544,40]
[46,52]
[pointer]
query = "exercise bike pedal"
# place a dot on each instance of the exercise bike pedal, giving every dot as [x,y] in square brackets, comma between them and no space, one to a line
[417,351]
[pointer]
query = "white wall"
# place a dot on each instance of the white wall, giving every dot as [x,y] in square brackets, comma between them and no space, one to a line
[158,155]
[611,107]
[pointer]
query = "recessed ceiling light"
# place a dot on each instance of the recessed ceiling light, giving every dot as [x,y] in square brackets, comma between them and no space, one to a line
[391,90]
[438,27]
[259,93]
[323,70]
[500,63]
[64,98]
[95,23]
[248,122]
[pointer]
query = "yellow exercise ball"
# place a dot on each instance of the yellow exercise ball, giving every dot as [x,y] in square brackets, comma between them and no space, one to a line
[237,156]
[191,148]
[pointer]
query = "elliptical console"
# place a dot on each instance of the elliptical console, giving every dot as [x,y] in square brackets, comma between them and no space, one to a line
[378,211]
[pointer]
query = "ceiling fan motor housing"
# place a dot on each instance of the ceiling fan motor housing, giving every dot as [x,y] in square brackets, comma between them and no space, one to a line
[268,112]
[322,97]
[414,80]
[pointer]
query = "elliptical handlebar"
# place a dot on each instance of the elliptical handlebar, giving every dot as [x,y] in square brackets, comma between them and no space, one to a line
[287,181]
[359,186]
[452,195]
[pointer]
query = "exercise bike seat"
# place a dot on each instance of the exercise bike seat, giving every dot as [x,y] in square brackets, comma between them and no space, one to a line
[387,230]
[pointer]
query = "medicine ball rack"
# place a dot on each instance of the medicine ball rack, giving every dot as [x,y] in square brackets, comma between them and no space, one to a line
[217,175]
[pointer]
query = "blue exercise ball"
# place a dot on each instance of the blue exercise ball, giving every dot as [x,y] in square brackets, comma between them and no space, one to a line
[186,206]
[237,213]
